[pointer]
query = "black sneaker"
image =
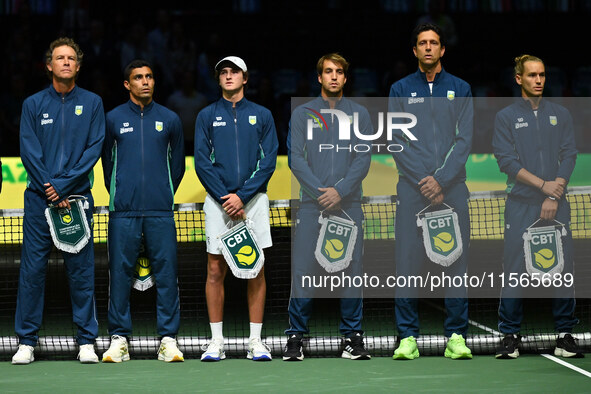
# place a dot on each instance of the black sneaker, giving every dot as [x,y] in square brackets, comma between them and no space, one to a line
[354,348]
[568,347]
[509,347]
[293,350]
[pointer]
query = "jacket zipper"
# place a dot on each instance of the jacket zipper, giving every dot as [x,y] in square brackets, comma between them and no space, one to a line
[434,129]
[234,114]
[143,205]
[540,145]
[62,136]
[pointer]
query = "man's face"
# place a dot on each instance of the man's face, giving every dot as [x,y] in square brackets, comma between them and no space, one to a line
[64,63]
[428,49]
[141,84]
[231,80]
[332,79]
[532,80]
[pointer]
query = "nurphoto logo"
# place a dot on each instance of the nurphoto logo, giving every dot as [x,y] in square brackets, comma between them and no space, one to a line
[344,121]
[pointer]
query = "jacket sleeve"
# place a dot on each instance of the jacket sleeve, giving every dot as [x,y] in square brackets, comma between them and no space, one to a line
[456,158]
[204,154]
[407,162]
[177,153]
[31,151]
[107,155]
[267,161]
[296,156]
[504,147]
[65,183]
[568,151]
[361,161]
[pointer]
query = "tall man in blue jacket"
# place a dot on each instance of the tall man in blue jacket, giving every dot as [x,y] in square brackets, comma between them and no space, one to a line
[235,156]
[330,180]
[534,144]
[61,136]
[432,171]
[143,163]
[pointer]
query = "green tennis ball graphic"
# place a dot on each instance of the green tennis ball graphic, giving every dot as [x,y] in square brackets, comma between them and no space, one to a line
[544,258]
[333,248]
[443,242]
[246,255]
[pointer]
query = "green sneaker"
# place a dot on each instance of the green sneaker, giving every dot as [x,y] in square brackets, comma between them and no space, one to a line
[456,348]
[407,350]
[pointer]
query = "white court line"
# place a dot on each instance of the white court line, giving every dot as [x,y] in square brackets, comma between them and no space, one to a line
[470,321]
[564,363]
[549,357]
[485,328]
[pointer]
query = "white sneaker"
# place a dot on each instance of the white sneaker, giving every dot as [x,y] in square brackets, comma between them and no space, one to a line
[169,351]
[24,355]
[117,350]
[258,351]
[214,351]
[86,355]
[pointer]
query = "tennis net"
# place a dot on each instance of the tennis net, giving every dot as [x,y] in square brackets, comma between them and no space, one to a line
[486,215]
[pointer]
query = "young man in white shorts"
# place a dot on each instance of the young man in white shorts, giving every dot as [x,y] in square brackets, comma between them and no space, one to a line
[235,156]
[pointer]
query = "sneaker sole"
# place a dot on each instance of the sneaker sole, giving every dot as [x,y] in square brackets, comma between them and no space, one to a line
[260,358]
[559,352]
[352,357]
[89,361]
[508,356]
[212,359]
[296,358]
[109,359]
[23,362]
[406,356]
[174,359]
[455,356]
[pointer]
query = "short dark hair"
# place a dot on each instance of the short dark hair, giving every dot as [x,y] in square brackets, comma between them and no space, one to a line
[426,27]
[59,42]
[137,63]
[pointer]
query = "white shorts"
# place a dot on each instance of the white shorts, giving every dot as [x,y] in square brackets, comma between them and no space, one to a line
[216,222]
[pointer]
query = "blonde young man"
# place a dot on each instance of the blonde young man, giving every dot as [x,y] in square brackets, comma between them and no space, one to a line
[534,144]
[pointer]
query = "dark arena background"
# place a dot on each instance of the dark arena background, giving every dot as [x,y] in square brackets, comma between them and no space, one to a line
[280,42]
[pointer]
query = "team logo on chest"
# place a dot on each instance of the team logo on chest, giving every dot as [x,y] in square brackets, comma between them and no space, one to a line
[78,110]
[413,99]
[46,119]
[218,122]
[252,119]
[520,123]
[553,120]
[125,128]
[159,126]
[451,95]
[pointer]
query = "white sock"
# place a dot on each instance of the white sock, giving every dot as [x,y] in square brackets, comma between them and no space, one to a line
[255,330]
[217,331]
